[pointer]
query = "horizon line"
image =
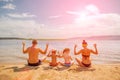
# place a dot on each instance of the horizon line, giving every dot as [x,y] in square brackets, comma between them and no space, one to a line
[87,37]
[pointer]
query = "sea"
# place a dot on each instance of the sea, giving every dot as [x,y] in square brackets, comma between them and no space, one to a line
[108,50]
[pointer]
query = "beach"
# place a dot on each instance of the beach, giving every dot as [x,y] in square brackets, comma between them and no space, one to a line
[66,33]
[21,71]
[105,65]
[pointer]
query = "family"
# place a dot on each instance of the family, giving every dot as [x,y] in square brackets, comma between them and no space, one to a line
[33,53]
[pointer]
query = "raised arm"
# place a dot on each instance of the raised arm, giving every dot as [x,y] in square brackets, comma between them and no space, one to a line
[60,54]
[71,58]
[23,49]
[45,51]
[76,53]
[96,51]
[49,54]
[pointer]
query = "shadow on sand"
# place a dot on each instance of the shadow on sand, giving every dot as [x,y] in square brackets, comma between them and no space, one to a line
[80,69]
[72,68]
[57,68]
[25,68]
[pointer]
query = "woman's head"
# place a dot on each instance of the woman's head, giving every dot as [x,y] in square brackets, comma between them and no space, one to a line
[84,44]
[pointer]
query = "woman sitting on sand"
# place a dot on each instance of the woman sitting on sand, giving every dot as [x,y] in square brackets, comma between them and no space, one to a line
[85,54]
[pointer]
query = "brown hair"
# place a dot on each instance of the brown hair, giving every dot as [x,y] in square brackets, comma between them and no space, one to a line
[66,49]
[34,41]
[84,42]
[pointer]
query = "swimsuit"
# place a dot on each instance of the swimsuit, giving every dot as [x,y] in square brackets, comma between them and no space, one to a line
[86,56]
[67,64]
[86,65]
[35,64]
[51,64]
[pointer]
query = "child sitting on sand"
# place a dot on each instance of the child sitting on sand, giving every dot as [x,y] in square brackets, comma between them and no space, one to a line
[53,56]
[67,58]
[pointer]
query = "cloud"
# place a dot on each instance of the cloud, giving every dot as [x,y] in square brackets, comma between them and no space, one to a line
[73,12]
[22,15]
[88,10]
[54,17]
[27,29]
[20,28]
[102,24]
[101,18]
[7,0]
[92,9]
[9,6]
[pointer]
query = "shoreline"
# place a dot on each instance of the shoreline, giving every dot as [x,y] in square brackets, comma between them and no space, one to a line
[20,71]
[47,62]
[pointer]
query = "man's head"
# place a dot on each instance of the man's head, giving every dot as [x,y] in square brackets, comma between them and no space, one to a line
[84,44]
[34,42]
[66,50]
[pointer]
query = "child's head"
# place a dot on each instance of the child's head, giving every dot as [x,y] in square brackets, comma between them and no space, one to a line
[66,50]
[53,51]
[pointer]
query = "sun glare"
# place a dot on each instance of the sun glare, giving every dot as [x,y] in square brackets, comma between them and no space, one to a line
[88,12]
[92,8]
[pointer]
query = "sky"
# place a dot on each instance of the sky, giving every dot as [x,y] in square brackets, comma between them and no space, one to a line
[59,18]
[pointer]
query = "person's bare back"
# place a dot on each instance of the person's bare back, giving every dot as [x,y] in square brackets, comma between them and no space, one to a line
[67,58]
[33,53]
[53,56]
[85,54]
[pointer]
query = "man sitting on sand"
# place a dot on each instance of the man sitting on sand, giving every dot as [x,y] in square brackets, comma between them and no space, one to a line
[67,58]
[53,56]
[85,54]
[33,53]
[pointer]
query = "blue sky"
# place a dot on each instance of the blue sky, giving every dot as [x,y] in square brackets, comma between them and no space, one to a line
[59,18]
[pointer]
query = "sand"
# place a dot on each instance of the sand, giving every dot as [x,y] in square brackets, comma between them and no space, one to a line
[45,72]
